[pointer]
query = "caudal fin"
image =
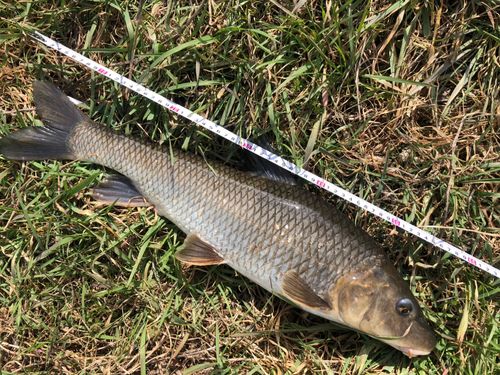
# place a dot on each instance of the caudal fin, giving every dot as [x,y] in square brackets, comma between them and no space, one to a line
[60,116]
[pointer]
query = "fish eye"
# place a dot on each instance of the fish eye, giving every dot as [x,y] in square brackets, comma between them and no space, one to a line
[404,307]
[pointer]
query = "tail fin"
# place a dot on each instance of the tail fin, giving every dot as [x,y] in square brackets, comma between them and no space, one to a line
[51,141]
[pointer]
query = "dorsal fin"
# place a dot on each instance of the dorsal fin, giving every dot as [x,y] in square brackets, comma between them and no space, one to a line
[120,190]
[296,289]
[198,252]
[257,166]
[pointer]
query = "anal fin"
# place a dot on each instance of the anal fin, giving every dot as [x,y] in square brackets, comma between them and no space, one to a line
[296,289]
[198,252]
[120,190]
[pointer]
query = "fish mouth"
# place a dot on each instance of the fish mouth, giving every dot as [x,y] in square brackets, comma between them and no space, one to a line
[412,352]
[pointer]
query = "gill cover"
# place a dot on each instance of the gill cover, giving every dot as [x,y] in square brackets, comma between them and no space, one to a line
[377,301]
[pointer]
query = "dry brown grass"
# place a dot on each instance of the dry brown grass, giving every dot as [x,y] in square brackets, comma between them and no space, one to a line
[84,308]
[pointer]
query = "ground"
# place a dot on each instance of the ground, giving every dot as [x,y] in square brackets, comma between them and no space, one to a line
[396,102]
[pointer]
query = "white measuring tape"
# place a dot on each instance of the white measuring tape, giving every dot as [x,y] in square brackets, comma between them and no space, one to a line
[207,124]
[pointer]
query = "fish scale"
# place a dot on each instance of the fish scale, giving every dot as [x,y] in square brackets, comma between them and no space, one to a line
[325,242]
[279,235]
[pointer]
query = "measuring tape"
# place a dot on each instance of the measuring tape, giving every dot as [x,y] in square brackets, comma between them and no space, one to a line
[207,124]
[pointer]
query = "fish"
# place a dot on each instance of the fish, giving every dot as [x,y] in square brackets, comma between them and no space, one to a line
[262,224]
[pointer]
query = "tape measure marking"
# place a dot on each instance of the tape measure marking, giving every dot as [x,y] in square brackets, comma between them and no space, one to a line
[207,124]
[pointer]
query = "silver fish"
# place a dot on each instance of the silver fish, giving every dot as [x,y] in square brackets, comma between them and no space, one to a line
[277,234]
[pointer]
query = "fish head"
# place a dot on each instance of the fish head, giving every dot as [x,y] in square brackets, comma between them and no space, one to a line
[377,301]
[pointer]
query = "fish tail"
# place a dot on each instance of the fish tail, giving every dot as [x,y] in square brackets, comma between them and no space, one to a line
[51,141]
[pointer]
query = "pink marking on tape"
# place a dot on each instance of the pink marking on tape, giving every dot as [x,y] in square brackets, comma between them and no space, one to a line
[396,221]
[472,261]
[246,145]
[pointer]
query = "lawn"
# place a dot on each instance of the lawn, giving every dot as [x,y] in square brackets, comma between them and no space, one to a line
[396,102]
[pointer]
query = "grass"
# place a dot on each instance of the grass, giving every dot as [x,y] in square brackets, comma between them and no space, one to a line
[394,101]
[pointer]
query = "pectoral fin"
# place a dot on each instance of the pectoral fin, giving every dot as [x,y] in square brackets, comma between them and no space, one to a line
[198,252]
[119,190]
[296,289]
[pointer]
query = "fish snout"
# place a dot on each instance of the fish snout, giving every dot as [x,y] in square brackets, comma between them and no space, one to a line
[379,303]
